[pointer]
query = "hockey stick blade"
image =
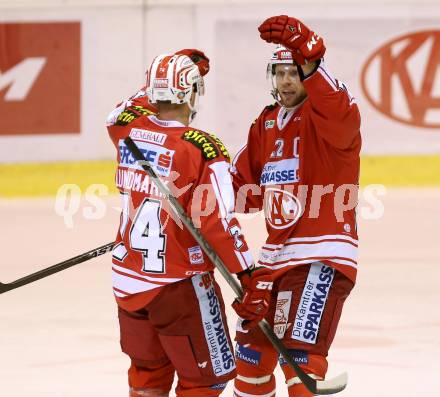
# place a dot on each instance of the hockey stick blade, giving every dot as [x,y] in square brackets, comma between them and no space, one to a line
[56,268]
[315,386]
[331,386]
[3,288]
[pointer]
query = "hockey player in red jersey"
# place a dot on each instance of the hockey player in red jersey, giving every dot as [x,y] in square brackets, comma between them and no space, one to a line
[171,312]
[301,165]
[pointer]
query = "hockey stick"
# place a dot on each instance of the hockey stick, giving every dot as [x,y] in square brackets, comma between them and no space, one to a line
[56,268]
[331,386]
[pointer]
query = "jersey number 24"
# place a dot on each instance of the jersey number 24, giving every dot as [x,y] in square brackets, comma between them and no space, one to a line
[146,233]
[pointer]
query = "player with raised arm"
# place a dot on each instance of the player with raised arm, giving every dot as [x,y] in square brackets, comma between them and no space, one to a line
[138,104]
[302,154]
[171,311]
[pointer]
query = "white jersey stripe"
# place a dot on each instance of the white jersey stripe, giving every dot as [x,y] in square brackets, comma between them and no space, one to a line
[273,248]
[315,238]
[119,252]
[222,183]
[242,394]
[221,204]
[249,259]
[234,161]
[245,259]
[331,249]
[240,259]
[305,261]
[323,71]
[119,294]
[131,285]
[160,280]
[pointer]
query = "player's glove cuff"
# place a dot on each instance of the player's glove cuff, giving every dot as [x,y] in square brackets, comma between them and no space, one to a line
[304,76]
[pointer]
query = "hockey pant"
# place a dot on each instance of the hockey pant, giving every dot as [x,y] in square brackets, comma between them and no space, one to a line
[183,330]
[304,311]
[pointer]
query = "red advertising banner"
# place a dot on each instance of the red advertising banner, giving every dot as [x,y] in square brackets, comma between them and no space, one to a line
[40,78]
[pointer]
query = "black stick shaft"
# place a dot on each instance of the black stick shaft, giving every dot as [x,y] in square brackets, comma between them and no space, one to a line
[56,268]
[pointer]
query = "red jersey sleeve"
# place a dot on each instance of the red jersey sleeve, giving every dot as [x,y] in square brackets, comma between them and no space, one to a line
[334,112]
[246,170]
[126,112]
[212,204]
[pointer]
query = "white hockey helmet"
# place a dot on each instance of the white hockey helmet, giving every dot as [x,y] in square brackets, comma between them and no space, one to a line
[281,55]
[174,78]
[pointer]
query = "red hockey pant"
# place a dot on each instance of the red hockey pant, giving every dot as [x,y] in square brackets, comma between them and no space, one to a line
[305,310]
[182,330]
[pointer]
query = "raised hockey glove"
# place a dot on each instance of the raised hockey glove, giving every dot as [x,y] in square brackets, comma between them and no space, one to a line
[257,285]
[198,57]
[290,32]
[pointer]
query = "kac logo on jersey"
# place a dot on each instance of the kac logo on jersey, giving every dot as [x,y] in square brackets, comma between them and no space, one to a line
[280,172]
[195,255]
[159,157]
[401,77]
[312,303]
[282,209]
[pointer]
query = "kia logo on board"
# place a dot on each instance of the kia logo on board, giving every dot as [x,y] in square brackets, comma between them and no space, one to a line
[401,79]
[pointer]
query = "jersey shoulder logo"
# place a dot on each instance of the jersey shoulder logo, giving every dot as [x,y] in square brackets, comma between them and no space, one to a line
[142,110]
[132,113]
[269,124]
[210,146]
[221,146]
[126,117]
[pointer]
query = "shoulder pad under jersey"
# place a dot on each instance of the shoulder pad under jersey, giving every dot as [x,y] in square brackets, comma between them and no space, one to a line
[210,146]
[132,113]
[272,106]
[269,108]
[265,110]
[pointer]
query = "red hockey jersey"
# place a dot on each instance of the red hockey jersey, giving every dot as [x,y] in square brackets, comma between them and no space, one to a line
[153,247]
[302,167]
[128,111]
